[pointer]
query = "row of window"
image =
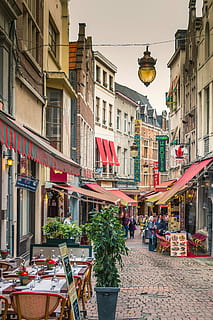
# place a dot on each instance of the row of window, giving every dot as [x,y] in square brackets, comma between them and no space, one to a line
[104,78]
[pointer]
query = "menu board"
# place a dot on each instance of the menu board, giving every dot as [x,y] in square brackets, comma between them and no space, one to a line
[178,244]
[70,282]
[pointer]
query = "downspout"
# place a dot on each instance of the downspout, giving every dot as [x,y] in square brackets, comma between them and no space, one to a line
[45,104]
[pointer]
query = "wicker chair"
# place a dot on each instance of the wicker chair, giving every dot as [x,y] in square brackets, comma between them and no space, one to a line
[5,266]
[5,304]
[37,305]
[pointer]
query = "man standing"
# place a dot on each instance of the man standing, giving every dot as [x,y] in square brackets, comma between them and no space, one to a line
[68,219]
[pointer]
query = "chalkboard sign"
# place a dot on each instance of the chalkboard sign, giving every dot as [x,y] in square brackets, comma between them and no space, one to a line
[76,310]
[70,283]
[68,269]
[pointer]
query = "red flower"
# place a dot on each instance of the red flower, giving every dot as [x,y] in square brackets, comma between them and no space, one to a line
[51,261]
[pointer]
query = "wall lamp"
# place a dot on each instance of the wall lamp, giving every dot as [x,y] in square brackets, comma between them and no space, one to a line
[8,158]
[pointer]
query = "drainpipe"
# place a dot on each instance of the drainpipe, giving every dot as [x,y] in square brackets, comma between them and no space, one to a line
[45,104]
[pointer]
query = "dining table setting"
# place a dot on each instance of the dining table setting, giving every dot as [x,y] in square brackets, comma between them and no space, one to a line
[42,278]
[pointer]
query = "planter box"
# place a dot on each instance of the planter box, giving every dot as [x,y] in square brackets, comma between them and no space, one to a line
[58,241]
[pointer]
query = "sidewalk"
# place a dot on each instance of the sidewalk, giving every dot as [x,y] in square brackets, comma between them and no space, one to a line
[160,287]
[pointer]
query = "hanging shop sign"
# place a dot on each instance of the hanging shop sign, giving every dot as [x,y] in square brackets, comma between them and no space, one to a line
[162,155]
[156,174]
[137,171]
[28,183]
[179,153]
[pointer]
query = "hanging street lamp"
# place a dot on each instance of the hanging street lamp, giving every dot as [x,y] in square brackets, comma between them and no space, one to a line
[147,72]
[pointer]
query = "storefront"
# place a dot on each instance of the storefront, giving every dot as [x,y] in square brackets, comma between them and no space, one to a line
[189,201]
[24,204]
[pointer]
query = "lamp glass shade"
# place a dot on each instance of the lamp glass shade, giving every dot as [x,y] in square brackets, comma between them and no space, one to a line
[147,74]
[134,151]
[9,162]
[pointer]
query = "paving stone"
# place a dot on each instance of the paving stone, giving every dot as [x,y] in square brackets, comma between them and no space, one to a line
[160,287]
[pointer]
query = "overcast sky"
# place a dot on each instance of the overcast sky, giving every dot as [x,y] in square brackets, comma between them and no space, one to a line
[141,22]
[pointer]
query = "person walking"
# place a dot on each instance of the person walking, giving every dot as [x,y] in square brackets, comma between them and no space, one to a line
[132,227]
[152,234]
[125,223]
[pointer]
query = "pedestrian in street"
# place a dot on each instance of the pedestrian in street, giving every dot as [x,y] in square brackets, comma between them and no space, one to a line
[152,234]
[125,223]
[161,225]
[132,227]
[68,219]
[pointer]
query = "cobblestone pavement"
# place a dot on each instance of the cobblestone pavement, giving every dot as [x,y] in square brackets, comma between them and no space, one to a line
[160,287]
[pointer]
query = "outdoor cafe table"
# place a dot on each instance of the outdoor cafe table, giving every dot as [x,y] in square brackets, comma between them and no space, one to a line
[8,286]
[42,285]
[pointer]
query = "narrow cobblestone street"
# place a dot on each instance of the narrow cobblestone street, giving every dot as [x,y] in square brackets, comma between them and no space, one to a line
[160,287]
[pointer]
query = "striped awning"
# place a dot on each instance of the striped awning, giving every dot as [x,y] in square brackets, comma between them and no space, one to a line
[181,183]
[16,136]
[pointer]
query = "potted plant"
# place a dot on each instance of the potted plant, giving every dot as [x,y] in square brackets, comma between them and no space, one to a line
[56,232]
[107,235]
[4,253]
[23,275]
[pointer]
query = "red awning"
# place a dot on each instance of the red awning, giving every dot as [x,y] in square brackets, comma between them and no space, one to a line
[164,185]
[126,199]
[16,136]
[88,193]
[101,150]
[190,173]
[108,151]
[112,147]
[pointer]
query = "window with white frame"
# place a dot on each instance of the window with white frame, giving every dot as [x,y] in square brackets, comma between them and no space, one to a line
[118,119]
[53,38]
[31,28]
[105,79]
[98,74]
[125,122]
[97,109]
[104,113]
[111,85]
[110,115]
[54,118]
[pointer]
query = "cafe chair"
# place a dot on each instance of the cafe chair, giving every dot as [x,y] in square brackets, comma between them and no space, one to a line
[88,282]
[78,286]
[5,266]
[38,305]
[4,307]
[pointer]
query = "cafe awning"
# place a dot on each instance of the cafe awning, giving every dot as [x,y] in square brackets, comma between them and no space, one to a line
[88,193]
[189,174]
[114,194]
[154,197]
[24,141]
[124,198]
[165,185]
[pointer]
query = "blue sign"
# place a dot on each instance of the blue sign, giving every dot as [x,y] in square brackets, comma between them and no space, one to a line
[27,183]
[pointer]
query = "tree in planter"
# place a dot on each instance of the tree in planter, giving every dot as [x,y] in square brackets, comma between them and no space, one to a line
[106,232]
[107,235]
